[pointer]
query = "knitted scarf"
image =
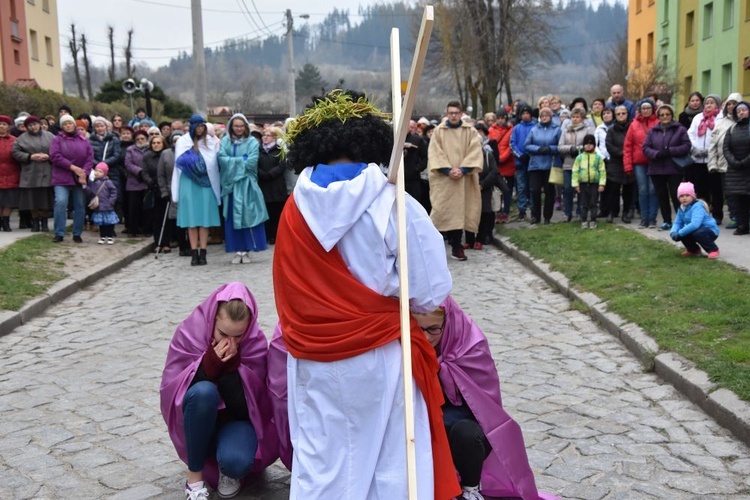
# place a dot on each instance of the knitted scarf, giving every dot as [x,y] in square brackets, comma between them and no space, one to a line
[707,122]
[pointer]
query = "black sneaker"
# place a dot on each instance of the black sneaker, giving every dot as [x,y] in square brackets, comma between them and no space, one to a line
[458,254]
[77,239]
[57,239]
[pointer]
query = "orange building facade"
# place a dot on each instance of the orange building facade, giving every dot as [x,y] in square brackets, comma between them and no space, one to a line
[13,44]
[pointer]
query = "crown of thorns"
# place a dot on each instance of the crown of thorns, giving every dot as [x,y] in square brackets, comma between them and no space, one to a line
[336,105]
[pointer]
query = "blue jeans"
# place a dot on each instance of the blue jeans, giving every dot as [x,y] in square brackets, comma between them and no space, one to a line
[235,442]
[568,193]
[647,200]
[522,188]
[61,209]
[701,236]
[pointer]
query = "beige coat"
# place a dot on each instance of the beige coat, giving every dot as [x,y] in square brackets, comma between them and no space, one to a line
[456,203]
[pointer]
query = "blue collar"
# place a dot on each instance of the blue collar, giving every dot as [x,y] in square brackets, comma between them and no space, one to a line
[323,175]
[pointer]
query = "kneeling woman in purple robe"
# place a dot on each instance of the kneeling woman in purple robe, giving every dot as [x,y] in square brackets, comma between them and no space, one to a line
[213,394]
[486,443]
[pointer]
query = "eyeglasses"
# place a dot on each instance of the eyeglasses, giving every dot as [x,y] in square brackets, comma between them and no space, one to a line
[435,330]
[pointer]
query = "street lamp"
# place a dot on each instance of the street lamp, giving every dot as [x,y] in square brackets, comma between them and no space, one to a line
[290,47]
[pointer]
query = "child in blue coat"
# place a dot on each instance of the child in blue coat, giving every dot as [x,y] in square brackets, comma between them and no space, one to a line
[694,225]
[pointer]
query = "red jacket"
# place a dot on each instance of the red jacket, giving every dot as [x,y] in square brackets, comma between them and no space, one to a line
[632,151]
[507,165]
[10,170]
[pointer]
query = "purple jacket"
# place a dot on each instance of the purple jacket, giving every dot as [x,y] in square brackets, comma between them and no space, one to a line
[468,373]
[134,165]
[66,150]
[673,138]
[189,343]
[107,194]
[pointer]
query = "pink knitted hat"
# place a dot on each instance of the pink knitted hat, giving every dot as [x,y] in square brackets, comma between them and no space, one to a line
[686,188]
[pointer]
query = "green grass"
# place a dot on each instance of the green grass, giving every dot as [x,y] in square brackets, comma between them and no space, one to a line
[27,271]
[692,306]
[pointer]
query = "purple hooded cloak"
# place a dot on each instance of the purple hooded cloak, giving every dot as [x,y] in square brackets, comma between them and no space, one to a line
[277,388]
[189,344]
[467,370]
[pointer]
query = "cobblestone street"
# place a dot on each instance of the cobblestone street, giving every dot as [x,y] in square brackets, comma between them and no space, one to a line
[79,400]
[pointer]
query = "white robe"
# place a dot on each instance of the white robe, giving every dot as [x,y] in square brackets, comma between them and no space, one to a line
[346,417]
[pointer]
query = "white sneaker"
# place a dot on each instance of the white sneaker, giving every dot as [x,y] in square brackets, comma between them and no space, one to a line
[196,494]
[100,242]
[246,258]
[237,258]
[471,493]
[228,486]
[110,241]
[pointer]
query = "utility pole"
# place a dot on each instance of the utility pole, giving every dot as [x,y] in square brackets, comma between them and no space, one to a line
[290,47]
[199,59]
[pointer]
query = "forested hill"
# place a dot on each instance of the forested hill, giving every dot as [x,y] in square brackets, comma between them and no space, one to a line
[361,41]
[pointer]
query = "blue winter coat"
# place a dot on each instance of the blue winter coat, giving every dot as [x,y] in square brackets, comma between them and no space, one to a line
[518,139]
[111,143]
[692,218]
[543,135]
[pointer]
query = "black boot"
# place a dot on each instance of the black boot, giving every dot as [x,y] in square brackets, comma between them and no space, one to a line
[6,224]
[35,224]
[195,260]
[202,258]
[44,227]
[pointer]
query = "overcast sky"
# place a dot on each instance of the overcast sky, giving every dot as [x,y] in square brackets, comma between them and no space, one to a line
[162,28]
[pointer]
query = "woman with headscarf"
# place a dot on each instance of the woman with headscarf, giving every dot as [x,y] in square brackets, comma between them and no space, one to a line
[196,186]
[666,141]
[636,163]
[717,164]
[139,216]
[213,394]
[700,132]
[242,199]
[106,147]
[72,160]
[271,179]
[31,151]
[10,174]
[736,150]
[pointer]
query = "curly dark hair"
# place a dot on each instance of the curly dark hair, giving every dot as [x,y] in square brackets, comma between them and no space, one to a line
[368,139]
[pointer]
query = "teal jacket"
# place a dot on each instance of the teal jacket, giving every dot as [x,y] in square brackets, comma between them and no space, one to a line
[589,168]
[694,217]
[238,163]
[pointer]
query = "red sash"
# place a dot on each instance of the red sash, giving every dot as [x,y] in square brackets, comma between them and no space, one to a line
[327,315]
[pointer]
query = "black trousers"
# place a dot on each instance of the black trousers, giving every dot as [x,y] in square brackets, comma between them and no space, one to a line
[589,196]
[538,183]
[160,208]
[469,448]
[697,173]
[716,198]
[666,191]
[107,231]
[742,204]
[274,216]
[486,225]
[612,194]
[138,220]
[454,238]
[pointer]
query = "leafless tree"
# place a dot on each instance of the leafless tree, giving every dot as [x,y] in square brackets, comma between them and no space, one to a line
[73,44]
[111,37]
[129,55]
[87,74]
[614,69]
[487,44]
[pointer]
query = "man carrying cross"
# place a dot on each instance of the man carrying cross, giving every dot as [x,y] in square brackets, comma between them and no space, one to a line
[336,283]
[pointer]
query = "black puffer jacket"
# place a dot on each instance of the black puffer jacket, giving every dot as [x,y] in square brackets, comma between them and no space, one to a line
[737,154]
[271,174]
[615,146]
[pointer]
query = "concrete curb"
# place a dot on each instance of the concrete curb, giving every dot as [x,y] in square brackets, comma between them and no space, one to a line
[722,405]
[9,320]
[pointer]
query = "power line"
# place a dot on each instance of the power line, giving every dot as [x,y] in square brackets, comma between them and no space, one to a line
[257,12]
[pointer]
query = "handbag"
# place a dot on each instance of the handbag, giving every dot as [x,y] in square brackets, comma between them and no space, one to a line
[94,203]
[683,161]
[497,199]
[556,176]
